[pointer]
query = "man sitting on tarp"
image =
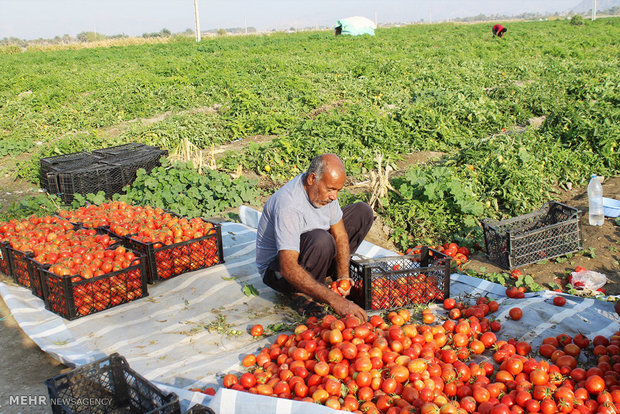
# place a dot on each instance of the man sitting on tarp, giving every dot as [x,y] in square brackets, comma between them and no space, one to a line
[303,236]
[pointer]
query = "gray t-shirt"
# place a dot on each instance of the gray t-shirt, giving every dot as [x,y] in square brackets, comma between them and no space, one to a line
[286,216]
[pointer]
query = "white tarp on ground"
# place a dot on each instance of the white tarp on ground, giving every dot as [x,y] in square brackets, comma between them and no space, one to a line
[164,339]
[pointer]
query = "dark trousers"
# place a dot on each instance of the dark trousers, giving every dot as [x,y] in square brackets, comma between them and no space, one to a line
[318,248]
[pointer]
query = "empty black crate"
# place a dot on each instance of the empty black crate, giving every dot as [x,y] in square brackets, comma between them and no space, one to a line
[63,163]
[53,186]
[108,385]
[400,281]
[75,296]
[166,261]
[123,149]
[5,264]
[97,177]
[130,164]
[553,230]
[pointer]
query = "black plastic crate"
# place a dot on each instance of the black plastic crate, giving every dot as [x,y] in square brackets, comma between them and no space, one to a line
[97,177]
[24,271]
[130,153]
[120,149]
[553,230]
[199,409]
[108,385]
[53,186]
[75,296]
[129,165]
[52,179]
[63,163]
[5,264]
[400,281]
[167,261]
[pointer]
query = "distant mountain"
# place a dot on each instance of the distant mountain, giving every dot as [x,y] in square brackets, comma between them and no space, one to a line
[586,5]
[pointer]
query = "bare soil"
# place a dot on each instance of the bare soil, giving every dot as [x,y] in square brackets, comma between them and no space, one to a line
[26,367]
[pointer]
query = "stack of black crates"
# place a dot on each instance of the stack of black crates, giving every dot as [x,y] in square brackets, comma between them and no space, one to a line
[107,170]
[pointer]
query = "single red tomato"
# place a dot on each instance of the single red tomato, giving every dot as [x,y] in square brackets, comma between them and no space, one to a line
[449,303]
[559,301]
[515,314]
[257,330]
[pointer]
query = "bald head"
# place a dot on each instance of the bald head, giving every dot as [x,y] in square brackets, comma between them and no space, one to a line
[324,178]
[326,163]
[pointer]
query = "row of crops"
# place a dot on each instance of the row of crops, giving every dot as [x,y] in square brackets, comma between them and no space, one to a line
[448,88]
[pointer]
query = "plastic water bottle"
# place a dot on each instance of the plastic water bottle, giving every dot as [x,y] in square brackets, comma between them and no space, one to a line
[595,202]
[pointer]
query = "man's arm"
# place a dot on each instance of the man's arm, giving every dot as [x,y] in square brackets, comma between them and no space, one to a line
[305,283]
[343,253]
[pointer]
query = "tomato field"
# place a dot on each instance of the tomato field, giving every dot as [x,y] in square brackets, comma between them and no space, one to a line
[448,88]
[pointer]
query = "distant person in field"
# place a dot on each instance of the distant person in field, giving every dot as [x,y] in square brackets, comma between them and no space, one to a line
[498,30]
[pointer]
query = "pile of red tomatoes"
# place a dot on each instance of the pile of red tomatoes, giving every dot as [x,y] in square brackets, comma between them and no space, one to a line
[395,366]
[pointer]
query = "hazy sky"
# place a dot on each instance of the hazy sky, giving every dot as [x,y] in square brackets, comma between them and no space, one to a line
[31,19]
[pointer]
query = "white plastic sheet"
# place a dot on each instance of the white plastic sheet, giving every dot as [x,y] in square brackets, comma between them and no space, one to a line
[164,339]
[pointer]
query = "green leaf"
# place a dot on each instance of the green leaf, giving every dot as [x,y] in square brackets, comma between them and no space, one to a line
[229,278]
[249,290]
[280,327]
[150,183]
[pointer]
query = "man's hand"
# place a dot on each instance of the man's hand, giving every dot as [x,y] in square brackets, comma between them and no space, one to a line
[345,285]
[345,307]
[342,286]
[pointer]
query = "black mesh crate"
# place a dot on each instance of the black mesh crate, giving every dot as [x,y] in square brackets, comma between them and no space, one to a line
[97,177]
[5,264]
[138,152]
[166,261]
[400,281]
[120,149]
[75,296]
[108,385]
[53,186]
[63,163]
[553,230]
[129,165]
[24,272]
[199,409]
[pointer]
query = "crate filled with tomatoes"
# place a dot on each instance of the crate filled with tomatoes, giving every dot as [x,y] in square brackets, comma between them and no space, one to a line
[100,216]
[553,230]
[172,244]
[4,258]
[180,245]
[105,279]
[400,281]
[108,385]
[25,272]
[26,238]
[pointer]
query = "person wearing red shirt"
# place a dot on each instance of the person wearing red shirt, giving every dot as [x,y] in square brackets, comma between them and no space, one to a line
[498,30]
